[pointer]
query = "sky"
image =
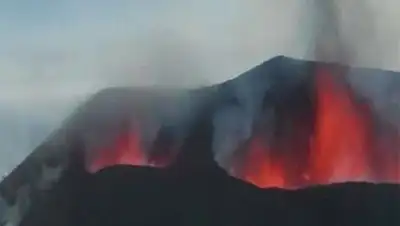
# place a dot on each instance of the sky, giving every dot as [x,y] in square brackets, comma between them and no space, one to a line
[55,53]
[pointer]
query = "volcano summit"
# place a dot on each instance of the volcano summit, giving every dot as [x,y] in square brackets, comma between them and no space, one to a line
[156,156]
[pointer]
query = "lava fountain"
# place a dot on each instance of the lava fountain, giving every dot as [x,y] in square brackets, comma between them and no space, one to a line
[125,151]
[346,142]
[342,140]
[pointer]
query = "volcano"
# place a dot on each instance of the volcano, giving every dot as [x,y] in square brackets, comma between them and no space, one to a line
[289,142]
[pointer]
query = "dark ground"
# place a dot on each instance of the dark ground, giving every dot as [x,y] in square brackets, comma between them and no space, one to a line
[125,195]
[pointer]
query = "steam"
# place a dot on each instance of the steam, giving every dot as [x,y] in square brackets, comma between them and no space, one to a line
[360,33]
[363,33]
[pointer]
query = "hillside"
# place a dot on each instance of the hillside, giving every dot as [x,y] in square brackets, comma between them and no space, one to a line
[256,127]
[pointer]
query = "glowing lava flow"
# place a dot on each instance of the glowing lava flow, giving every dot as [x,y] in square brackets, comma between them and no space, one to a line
[261,168]
[125,151]
[342,146]
[341,143]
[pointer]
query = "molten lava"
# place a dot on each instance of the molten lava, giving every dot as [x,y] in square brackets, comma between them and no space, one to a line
[125,151]
[342,146]
[342,140]
[261,168]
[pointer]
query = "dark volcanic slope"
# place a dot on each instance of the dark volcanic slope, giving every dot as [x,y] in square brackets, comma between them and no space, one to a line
[155,199]
[194,190]
[126,195]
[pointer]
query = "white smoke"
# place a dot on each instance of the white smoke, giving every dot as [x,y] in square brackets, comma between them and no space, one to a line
[360,33]
[366,34]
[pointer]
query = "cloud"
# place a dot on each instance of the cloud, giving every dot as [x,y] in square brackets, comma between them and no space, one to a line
[204,42]
[365,31]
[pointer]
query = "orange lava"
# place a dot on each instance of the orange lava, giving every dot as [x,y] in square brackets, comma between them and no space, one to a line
[343,146]
[342,134]
[125,151]
[261,168]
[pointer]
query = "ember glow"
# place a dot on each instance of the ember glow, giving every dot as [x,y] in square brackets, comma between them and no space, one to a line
[125,151]
[262,168]
[343,145]
[342,141]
